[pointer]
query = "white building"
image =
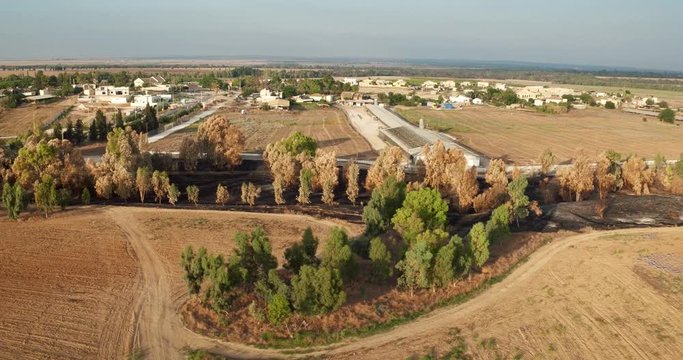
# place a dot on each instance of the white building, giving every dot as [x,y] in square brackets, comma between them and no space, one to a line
[460,99]
[466,84]
[477,101]
[500,86]
[448,84]
[350,81]
[141,101]
[265,95]
[483,84]
[112,91]
[429,85]
[400,83]
[539,102]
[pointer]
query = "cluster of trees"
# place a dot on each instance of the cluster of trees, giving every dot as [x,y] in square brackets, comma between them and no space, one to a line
[12,99]
[297,159]
[72,132]
[401,99]
[218,141]
[291,87]
[316,285]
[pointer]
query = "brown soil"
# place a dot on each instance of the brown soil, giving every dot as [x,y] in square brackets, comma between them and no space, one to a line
[521,136]
[67,286]
[327,125]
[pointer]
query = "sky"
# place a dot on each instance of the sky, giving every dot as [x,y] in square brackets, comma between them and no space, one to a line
[610,33]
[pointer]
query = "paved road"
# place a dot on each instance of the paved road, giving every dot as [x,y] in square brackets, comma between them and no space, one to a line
[194,119]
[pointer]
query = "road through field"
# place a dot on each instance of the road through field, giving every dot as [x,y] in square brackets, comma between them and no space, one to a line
[161,334]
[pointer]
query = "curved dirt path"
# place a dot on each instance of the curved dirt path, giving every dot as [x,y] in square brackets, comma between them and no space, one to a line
[161,334]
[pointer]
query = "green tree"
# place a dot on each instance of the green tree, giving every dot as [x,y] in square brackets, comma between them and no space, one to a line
[337,252]
[92,131]
[194,266]
[610,105]
[303,252]
[78,132]
[384,202]
[317,291]
[219,283]
[193,194]
[305,185]
[444,264]
[382,267]
[255,254]
[667,115]
[498,226]
[85,196]
[13,199]
[69,132]
[278,309]
[478,245]
[422,210]
[45,194]
[298,143]
[415,267]
[118,120]
[143,182]
[519,202]
[57,131]
[173,194]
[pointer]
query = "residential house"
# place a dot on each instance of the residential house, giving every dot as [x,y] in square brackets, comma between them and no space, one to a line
[460,99]
[400,83]
[483,84]
[466,84]
[448,84]
[350,81]
[538,102]
[429,85]
[279,104]
[500,86]
[477,101]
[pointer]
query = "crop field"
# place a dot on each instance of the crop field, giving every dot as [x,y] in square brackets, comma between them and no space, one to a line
[521,136]
[600,295]
[328,126]
[67,286]
[19,120]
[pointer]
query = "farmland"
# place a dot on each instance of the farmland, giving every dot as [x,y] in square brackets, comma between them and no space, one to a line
[624,302]
[328,126]
[19,120]
[520,136]
[67,285]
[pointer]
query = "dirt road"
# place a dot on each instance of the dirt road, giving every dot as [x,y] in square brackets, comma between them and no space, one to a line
[162,336]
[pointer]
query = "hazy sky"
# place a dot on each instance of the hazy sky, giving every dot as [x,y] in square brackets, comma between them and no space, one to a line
[645,34]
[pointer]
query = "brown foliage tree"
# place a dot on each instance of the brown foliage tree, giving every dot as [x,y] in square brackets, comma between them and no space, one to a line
[143,181]
[160,184]
[223,142]
[352,188]
[222,194]
[327,172]
[55,158]
[496,173]
[637,175]
[388,164]
[547,160]
[468,188]
[605,181]
[189,153]
[250,193]
[578,178]
[283,169]
[490,199]
[117,169]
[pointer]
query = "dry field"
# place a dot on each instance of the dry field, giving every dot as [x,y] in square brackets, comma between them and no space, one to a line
[67,286]
[521,136]
[328,126]
[593,296]
[18,121]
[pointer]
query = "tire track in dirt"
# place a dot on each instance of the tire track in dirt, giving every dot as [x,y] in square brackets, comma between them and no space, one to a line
[159,331]
[162,336]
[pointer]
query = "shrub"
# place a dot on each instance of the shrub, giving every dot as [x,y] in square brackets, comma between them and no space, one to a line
[415,267]
[478,245]
[498,226]
[255,254]
[13,199]
[222,194]
[667,115]
[45,194]
[173,194]
[85,196]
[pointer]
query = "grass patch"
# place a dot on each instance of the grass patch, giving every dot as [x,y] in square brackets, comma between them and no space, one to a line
[196,354]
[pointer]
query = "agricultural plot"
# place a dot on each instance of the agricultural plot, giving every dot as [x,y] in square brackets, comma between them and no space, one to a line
[18,121]
[328,126]
[521,136]
[67,285]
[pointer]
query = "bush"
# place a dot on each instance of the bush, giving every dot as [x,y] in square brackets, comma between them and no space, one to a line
[610,105]
[478,245]
[444,265]
[416,267]
[667,115]
[173,194]
[382,267]
[13,199]
[193,194]
[317,291]
[255,254]
[384,202]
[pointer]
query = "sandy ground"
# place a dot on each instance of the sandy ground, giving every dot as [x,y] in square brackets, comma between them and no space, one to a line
[366,125]
[328,126]
[67,286]
[521,136]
